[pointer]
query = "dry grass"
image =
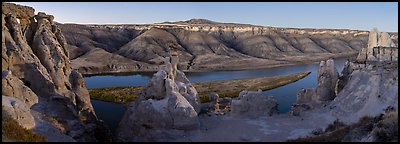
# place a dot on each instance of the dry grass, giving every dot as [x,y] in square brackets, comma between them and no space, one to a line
[12,131]
[115,94]
[335,132]
[387,129]
[384,127]
[232,88]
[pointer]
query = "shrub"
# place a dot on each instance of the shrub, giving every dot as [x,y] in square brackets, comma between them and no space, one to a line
[387,128]
[335,126]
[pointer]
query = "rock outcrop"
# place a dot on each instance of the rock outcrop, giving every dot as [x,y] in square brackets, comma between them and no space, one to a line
[213,106]
[18,110]
[168,105]
[366,86]
[377,38]
[327,78]
[254,104]
[368,92]
[326,90]
[326,85]
[14,87]
[366,89]
[381,47]
[36,70]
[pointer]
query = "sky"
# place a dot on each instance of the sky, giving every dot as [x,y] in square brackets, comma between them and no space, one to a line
[342,15]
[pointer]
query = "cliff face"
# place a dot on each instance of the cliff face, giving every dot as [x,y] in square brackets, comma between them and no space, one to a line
[369,85]
[204,44]
[366,86]
[37,70]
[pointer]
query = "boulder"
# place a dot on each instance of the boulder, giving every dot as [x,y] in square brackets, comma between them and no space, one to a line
[182,112]
[306,96]
[298,109]
[14,87]
[214,101]
[18,110]
[213,105]
[254,103]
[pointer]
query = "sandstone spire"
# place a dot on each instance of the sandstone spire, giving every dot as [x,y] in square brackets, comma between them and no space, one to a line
[168,104]
[380,47]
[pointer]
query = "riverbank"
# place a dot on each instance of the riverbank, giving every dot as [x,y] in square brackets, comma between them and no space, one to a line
[225,88]
[294,60]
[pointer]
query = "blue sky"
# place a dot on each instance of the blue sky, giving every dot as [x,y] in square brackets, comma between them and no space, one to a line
[354,15]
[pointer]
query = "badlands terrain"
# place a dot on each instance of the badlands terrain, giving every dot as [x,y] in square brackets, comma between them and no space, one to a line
[204,45]
[44,96]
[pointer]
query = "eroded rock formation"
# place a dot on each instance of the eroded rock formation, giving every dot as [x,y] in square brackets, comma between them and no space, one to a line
[36,70]
[327,78]
[213,106]
[366,86]
[381,47]
[368,91]
[254,104]
[324,92]
[168,105]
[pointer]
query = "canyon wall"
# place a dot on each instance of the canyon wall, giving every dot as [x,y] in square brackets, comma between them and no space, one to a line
[206,45]
[37,71]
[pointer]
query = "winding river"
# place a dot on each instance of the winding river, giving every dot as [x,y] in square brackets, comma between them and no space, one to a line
[112,113]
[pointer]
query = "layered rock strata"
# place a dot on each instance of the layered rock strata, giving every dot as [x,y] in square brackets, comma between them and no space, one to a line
[207,45]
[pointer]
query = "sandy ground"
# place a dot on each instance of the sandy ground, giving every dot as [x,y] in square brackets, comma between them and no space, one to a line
[281,127]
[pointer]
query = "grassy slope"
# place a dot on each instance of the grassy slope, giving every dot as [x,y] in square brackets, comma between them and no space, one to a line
[384,127]
[224,88]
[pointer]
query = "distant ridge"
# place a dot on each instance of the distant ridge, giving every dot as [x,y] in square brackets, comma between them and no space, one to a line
[196,21]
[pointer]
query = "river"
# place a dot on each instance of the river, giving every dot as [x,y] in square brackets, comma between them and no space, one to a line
[112,113]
